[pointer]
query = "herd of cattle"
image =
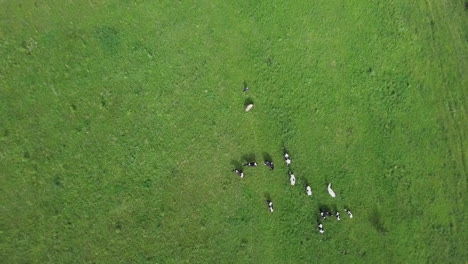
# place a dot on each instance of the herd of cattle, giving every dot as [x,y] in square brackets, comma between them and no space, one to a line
[292,180]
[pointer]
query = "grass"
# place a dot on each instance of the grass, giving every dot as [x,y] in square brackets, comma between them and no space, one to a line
[121,120]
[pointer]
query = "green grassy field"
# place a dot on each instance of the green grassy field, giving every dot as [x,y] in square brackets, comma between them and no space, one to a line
[120,122]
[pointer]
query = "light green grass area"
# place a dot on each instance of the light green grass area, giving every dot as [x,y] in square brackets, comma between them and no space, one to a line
[120,123]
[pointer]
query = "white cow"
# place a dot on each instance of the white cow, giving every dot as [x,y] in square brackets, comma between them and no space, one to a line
[308,190]
[292,178]
[249,107]
[330,191]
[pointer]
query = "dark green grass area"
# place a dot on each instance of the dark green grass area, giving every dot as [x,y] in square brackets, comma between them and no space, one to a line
[120,122]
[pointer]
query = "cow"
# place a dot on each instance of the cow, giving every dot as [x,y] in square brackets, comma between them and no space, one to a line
[248,107]
[287,159]
[292,178]
[270,164]
[323,214]
[320,228]
[349,213]
[330,191]
[270,205]
[250,164]
[238,172]
[338,216]
[308,190]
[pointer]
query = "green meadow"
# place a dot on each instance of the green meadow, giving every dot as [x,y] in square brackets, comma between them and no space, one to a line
[121,120]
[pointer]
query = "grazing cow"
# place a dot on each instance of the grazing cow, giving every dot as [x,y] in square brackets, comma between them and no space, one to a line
[248,107]
[338,216]
[349,213]
[270,205]
[270,165]
[238,172]
[308,190]
[328,213]
[287,158]
[322,214]
[320,228]
[292,178]
[251,164]
[330,191]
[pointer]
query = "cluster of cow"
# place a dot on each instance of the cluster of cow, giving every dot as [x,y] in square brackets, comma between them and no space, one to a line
[324,214]
[292,180]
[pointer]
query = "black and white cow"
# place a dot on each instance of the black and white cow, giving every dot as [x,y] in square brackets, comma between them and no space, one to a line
[320,228]
[238,172]
[292,178]
[349,213]
[270,164]
[338,216]
[323,214]
[270,205]
[250,164]
[287,158]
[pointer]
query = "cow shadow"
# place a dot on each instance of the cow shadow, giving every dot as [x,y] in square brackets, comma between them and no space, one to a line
[236,164]
[267,157]
[249,157]
[324,208]
[248,101]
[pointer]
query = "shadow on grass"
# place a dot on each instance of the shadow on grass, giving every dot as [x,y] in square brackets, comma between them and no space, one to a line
[334,208]
[236,164]
[249,157]
[324,208]
[376,220]
[248,101]
[267,157]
